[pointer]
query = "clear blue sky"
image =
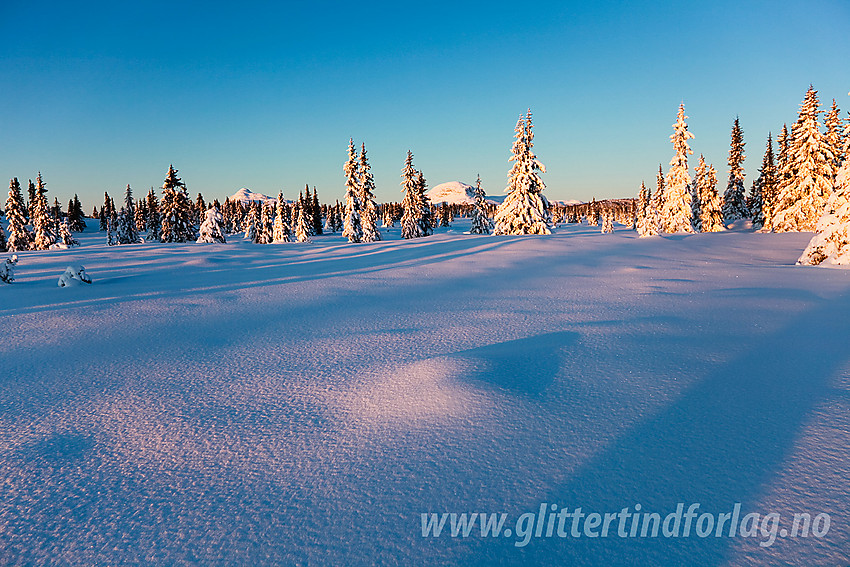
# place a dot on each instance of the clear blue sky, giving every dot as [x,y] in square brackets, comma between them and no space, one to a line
[266,94]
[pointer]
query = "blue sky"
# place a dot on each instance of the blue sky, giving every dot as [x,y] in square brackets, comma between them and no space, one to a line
[266,94]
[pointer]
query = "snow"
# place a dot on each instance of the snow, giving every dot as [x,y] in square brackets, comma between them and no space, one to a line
[293,404]
[246,197]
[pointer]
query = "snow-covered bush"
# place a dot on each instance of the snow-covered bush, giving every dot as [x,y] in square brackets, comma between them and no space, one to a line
[73,276]
[7,269]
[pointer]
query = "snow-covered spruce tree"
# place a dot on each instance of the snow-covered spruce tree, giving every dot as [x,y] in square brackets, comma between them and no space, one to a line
[176,210]
[831,244]
[711,208]
[481,223]
[19,237]
[369,213]
[428,221]
[42,223]
[608,222]
[676,211]
[305,201]
[658,197]
[647,221]
[316,212]
[413,220]
[280,229]
[31,194]
[352,224]
[734,202]
[523,210]
[251,222]
[265,234]
[764,190]
[803,197]
[302,230]
[154,221]
[697,190]
[127,233]
[141,217]
[76,220]
[65,238]
[211,229]
[105,211]
[833,142]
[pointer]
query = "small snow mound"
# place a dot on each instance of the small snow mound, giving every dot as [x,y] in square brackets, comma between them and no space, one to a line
[7,269]
[74,276]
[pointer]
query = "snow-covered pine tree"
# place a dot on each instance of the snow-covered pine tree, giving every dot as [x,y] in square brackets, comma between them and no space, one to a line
[176,210]
[711,209]
[831,244]
[676,211]
[523,210]
[154,221]
[211,230]
[2,238]
[127,233]
[265,234]
[734,202]
[369,212]
[302,230]
[352,225]
[764,190]
[19,237]
[280,229]
[481,223]
[411,221]
[42,223]
[803,198]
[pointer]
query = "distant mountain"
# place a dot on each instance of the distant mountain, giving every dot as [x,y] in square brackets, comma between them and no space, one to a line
[245,196]
[455,192]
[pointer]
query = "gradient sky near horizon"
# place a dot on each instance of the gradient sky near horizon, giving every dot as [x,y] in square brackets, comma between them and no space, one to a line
[265,95]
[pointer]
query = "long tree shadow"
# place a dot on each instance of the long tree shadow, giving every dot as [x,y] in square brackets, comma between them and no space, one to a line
[719,444]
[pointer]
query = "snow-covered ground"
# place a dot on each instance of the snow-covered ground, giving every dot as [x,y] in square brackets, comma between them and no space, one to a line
[304,403]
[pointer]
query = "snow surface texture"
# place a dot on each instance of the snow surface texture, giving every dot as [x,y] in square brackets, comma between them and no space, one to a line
[295,404]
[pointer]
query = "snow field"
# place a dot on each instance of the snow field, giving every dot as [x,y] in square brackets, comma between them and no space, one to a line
[304,403]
